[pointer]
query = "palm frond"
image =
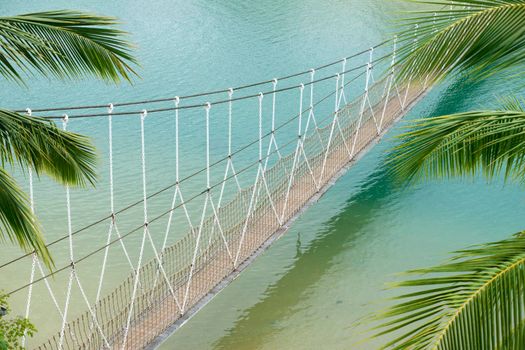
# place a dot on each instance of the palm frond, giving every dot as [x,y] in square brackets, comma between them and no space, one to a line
[484,37]
[65,44]
[68,157]
[464,144]
[17,222]
[475,301]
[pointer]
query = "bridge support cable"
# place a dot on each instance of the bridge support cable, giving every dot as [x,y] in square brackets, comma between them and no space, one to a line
[260,180]
[229,162]
[230,221]
[273,141]
[299,151]
[332,128]
[388,86]
[35,261]
[177,192]
[200,94]
[336,118]
[146,235]
[143,241]
[311,113]
[112,221]
[364,103]
[34,257]
[393,72]
[73,276]
[71,258]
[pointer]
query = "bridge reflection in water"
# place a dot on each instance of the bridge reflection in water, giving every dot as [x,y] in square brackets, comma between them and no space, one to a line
[161,294]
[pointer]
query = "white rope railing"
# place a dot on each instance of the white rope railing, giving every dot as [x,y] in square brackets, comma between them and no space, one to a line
[144,233]
[191,96]
[364,102]
[231,225]
[34,257]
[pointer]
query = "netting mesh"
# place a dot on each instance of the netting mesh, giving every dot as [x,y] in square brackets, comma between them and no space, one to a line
[217,246]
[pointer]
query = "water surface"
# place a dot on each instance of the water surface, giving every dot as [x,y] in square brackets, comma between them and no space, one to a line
[329,271]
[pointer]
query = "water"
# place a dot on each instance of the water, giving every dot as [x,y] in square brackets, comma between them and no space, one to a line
[329,270]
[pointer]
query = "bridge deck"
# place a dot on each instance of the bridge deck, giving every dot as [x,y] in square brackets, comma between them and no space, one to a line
[155,312]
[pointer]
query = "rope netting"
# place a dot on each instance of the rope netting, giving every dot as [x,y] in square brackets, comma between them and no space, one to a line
[205,232]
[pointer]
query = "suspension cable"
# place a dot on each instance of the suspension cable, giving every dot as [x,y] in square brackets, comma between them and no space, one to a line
[138,228]
[164,189]
[202,105]
[207,93]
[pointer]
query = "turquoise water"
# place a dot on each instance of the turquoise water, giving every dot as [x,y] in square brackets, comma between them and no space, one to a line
[309,290]
[329,271]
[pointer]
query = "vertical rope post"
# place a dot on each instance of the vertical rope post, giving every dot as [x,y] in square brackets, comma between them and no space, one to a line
[177,177]
[229,163]
[390,83]
[342,95]
[393,66]
[208,194]
[143,153]
[204,209]
[337,79]
[173,201]
[261,96]
[332,128]
[371,81]
[177,101]
[296,153]
[311,114]
[230,95]
[65,120]
[363,104]
[111,201]
[143,115]
[33,256]
[259,167]
[208,185]
[300,126]
[273,140]
[261,170]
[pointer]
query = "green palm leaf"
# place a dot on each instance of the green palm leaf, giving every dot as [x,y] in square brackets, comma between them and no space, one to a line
[464,144]
[29,141]
[17,222]
[66,44]
[483,36]
[68,157]
[476,301]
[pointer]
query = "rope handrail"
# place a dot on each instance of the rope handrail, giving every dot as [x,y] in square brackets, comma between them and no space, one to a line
[207,93]
[184,179]
[215,103]
[163,214]
[136,229]
[177,254]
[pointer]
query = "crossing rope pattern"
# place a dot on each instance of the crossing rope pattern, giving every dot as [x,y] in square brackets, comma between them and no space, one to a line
[163,291]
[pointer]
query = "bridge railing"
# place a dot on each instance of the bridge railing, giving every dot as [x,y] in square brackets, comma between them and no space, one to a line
[234,215]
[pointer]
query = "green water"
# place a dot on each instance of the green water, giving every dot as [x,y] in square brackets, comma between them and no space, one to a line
[310,288]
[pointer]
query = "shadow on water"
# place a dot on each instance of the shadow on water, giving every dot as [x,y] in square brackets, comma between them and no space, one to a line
[282,299]
[463,94]
[310,265]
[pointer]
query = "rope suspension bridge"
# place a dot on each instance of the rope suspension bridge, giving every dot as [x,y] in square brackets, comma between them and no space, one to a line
[224,224]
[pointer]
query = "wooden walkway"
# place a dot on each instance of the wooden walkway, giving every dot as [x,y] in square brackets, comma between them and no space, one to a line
[156,311]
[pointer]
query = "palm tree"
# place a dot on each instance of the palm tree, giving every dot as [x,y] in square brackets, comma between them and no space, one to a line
[476,300]
[65,45]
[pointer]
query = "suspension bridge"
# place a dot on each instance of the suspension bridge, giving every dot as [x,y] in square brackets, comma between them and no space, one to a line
[228,222]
